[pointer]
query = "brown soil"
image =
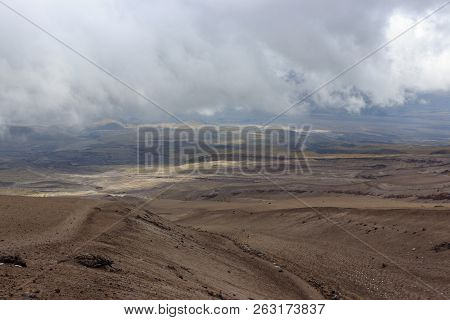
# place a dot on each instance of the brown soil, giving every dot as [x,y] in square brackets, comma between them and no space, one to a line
[63,240]
[367,228]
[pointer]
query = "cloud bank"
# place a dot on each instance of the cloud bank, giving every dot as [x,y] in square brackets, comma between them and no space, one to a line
[205,58]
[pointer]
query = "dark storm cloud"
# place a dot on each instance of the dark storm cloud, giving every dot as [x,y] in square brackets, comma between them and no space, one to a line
[214,57]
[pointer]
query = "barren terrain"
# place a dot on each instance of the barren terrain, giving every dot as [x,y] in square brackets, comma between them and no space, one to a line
[356,228]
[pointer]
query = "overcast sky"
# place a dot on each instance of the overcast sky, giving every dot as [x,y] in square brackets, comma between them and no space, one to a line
[213,58]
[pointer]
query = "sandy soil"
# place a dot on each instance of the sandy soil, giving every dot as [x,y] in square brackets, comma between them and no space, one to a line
[355,229]
[223,249]
[153,258]
[344,251]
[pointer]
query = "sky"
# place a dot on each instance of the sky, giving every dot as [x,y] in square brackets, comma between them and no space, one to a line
[216,60]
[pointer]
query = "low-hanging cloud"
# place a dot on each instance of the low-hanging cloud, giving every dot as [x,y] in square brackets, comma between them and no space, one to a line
[214,57]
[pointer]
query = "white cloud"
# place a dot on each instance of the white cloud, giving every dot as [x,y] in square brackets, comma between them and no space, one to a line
[196,57]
